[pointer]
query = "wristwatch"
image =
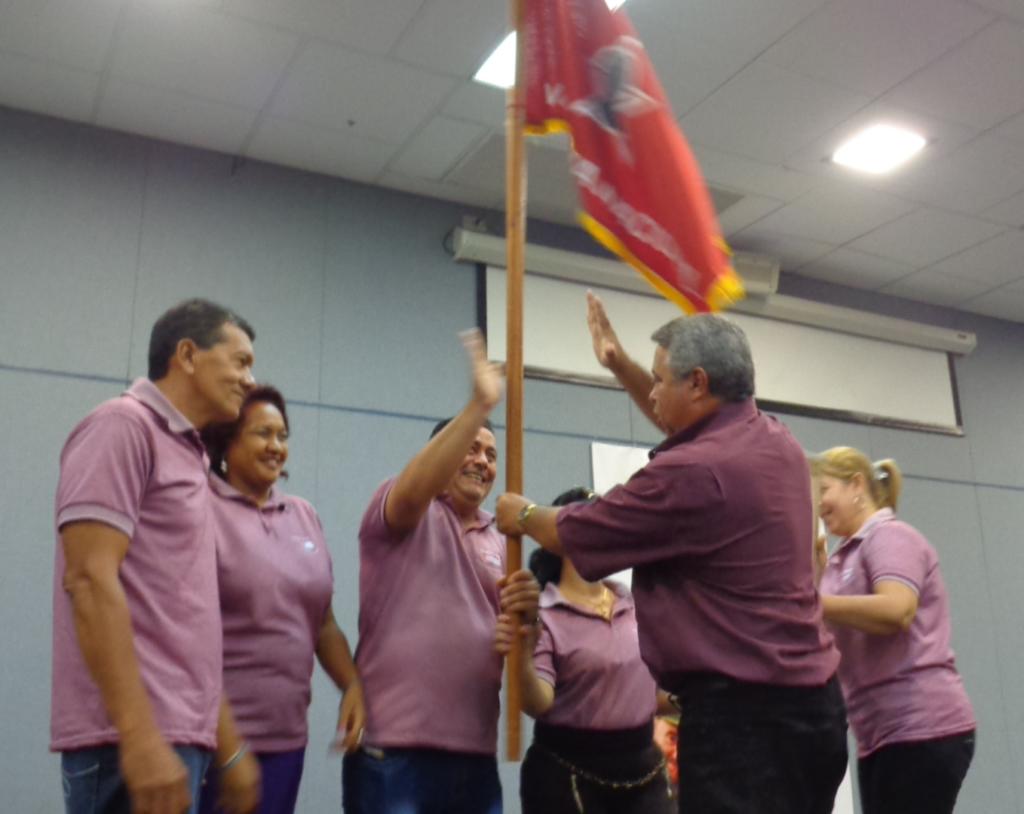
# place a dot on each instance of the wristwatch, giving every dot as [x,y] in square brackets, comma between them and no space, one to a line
[524,515]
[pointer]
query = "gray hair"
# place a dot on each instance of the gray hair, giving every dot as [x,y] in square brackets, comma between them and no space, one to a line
[715,344]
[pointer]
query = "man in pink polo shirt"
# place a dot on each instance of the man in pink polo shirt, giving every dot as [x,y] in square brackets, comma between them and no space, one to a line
[136,708]
[716,528]
[431,562]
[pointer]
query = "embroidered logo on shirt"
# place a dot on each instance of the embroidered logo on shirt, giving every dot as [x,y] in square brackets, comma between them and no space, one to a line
[491,558]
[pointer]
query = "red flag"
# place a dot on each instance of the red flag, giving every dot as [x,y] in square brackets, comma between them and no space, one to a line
[641,191]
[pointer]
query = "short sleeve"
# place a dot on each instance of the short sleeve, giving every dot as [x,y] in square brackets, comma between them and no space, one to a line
[660,513]
[544,655]
[105,469]
[374,526]
[896,551]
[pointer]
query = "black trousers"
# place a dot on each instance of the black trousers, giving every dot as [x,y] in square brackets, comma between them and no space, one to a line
[758,748]
[923,777]
[572,771]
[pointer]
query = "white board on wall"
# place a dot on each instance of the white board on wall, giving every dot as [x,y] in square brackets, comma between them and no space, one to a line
[798,366]
[613,464]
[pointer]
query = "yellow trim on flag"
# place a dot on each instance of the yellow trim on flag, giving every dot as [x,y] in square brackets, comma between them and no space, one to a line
[726,290]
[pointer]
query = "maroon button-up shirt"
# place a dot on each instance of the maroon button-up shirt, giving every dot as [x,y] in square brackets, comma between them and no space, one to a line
[717,530]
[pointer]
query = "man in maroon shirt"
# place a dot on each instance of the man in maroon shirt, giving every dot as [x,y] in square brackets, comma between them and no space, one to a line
[717,529]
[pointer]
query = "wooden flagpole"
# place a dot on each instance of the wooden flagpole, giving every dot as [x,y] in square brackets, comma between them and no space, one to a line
[515,239]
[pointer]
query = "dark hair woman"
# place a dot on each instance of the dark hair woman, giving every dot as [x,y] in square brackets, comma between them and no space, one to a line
[592,696]
[276,583]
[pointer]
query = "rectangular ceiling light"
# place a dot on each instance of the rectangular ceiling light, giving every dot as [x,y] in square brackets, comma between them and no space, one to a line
[499,69]
[879,149]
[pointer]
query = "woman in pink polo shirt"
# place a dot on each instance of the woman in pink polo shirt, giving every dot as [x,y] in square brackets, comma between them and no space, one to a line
[276,583]
[592,696]
[884,598]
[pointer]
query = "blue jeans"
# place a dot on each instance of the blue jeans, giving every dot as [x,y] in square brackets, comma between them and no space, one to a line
[93,784]
[420,781]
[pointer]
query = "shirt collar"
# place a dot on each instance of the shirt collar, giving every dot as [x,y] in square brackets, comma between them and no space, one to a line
[483,518]
[552,597]
[146,392]
[224,489]
[728,413]
[879,517]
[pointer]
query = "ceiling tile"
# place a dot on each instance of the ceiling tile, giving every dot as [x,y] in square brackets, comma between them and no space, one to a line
[767,113]
[970,179]
[550,190]
[373,27]
[437,147]
[453,36]
[476,102]
[70,32]
[748,210]
[835,213]
[1011,130]
[768,180]
[1010,211]
[319,149]
[369,96]
[445,191]
[1003,303]
[46,87]
[932,286]
[871,45]
[977,84]
[174,116]
[792,252]
[711,31]
[202,52]
[926,236]
[1011,8]
[994,262]
[856,269]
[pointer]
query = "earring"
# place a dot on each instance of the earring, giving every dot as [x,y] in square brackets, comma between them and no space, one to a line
[223,466]
[858,502]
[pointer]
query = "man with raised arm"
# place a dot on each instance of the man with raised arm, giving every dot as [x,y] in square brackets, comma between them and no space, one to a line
[430,589]
[136,707]
[716,529]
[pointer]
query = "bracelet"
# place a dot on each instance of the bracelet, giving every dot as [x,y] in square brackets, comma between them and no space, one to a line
[237,756]
[524,515]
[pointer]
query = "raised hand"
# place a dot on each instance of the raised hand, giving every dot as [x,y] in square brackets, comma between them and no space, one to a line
[488,379]
[607,348]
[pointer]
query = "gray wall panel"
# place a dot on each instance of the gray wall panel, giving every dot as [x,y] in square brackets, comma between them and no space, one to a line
[70,205]
[250,237]
[394,302]
[1002,518]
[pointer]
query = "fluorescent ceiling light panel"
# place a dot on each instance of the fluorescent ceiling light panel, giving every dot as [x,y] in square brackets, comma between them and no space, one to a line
[499,69]
[879,149]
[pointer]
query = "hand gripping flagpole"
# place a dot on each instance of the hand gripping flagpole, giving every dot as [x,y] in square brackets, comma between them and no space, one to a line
[515,238]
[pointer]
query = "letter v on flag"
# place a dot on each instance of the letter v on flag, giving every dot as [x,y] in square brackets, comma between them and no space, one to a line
[640,189]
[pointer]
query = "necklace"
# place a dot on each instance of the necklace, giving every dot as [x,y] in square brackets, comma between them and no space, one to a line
[603,604]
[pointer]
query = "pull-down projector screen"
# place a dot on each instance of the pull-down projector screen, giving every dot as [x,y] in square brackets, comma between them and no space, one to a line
[800,369]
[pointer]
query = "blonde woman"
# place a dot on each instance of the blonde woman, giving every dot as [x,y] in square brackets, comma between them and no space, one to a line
[884,598]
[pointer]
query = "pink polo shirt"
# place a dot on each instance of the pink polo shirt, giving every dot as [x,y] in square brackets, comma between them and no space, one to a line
[594,665]
[902,687]
[276,583]
[427,607]
[137,464]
